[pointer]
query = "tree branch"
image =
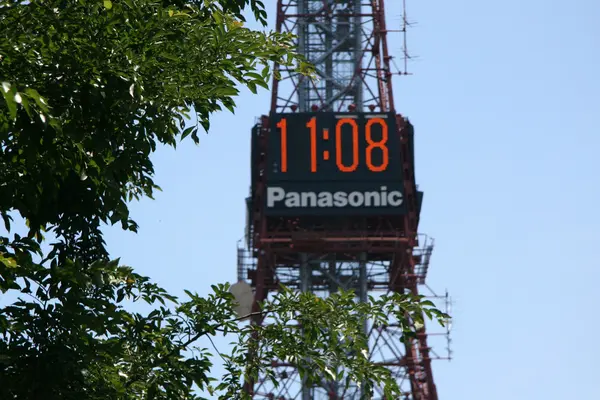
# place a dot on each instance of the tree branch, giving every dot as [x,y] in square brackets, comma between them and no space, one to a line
[192,340]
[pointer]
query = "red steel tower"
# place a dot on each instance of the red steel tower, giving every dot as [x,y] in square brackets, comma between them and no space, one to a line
[334,202]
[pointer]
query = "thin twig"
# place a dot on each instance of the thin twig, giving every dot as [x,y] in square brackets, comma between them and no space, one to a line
[200,334]
[217,350]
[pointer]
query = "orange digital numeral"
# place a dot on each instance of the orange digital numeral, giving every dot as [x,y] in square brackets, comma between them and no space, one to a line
[338,145]
[282,125]
[312,125]
[380,144]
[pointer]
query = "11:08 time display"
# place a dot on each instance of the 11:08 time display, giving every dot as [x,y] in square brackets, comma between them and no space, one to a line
[333,146]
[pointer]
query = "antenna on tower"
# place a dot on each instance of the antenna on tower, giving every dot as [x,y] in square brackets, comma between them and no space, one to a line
[406,56]
[405,25]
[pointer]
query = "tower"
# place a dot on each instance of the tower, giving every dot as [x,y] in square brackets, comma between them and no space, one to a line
[334,202]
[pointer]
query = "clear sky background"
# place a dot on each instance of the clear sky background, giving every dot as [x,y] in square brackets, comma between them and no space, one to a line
[505,102]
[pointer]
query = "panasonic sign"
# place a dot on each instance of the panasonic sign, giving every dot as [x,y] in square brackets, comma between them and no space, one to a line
[278,197]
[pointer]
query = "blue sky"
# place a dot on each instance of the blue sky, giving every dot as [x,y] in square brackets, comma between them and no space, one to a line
[504,99]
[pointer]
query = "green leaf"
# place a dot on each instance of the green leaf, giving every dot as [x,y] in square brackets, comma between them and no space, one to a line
[108,4]
[9,97]
[227,91]
[254,75]
[187,131]
[265,72]
[261,83]
[8,261]
[39,101]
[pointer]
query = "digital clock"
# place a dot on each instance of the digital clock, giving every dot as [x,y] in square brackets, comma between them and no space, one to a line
[340,162]
[333,146]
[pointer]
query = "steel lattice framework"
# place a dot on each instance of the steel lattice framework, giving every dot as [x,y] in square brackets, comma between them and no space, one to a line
[346,41]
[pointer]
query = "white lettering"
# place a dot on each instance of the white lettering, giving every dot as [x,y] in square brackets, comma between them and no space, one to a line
[339,199]
[356,199]
[274,194]
[292,200]
[394,199]
[309,197]
[372,199]
[325,199]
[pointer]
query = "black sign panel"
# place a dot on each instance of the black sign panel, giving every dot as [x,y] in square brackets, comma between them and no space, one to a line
[329,163]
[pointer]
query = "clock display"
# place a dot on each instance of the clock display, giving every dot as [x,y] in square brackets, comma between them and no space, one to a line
[333,147]
[333,164]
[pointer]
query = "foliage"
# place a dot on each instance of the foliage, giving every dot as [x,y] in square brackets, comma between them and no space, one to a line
[77,339]
[89,89]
